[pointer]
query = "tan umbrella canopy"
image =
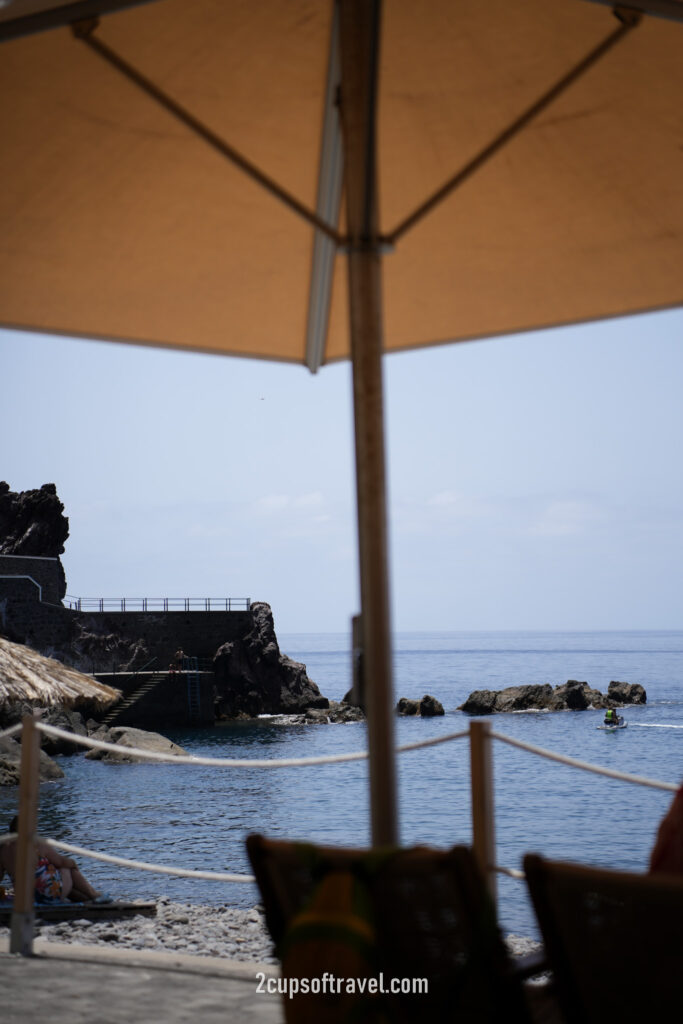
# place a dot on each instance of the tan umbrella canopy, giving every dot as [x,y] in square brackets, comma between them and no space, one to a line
[28,676]
[174,175]
[119,222]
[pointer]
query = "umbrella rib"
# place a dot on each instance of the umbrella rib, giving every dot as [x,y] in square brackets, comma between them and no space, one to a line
[84,31]
[328,205]
[628,18]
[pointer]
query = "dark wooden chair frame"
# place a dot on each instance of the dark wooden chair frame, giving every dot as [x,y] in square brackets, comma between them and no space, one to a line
[614,941]
[434,918]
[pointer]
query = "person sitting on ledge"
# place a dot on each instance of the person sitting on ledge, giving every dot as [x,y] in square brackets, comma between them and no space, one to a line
[57,877]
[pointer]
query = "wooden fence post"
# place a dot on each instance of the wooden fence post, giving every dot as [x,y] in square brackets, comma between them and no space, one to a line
[21,936]
[483,822]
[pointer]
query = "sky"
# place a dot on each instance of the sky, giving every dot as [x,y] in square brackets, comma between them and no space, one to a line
[535,481]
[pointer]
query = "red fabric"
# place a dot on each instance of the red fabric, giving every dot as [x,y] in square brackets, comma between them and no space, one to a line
[667,855]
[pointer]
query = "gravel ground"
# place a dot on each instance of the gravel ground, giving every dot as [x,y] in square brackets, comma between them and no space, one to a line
[223,931]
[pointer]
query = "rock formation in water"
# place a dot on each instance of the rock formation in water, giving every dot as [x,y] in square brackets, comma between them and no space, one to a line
[570,696]
[428,707]
[338,712]
[253,678]
[124,736]
[33,523]
[626,693]
[72,721]
[10,761]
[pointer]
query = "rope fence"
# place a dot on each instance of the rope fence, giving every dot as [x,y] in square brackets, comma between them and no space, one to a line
[12,731]
[481,781]
[574,762]
[234,762]
[141,865]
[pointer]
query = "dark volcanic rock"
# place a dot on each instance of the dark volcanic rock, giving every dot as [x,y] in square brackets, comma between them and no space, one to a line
[33,523]
[69,721]
[338,713]
[346,713]
[9,773]
[430,707]
[125,736]
[253,678]
[352,701]
[626,693]
[12,712]
[512,698]
[480,702]
[96,641]
[406,706]
[595,698]
[523,698]
[570,696]
[576,696]
[10,761]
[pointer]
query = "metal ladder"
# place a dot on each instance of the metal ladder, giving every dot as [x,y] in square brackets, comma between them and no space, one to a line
[191,668]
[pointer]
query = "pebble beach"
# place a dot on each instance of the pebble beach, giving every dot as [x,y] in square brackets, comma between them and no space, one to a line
[230,933]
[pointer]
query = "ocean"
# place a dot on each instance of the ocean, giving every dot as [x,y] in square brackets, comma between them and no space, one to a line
[198,817]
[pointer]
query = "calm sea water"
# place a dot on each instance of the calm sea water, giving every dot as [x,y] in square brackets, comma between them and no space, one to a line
[198,817]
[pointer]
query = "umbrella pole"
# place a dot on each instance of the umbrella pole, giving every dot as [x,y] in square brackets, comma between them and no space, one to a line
[358,40]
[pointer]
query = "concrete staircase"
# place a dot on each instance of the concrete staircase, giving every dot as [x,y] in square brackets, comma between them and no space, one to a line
[114,716]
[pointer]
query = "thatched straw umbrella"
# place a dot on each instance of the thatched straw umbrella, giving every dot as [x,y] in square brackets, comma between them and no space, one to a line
[28,677]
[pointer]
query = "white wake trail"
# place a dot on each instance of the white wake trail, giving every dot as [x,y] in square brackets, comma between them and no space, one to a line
[653,725]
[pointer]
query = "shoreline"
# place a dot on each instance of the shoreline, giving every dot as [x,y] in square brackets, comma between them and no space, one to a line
[231,933]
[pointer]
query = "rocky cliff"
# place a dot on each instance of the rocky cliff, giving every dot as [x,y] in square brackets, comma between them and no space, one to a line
[33,523]
[254,678]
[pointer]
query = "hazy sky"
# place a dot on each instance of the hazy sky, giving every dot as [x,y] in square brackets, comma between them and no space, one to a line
[536,482]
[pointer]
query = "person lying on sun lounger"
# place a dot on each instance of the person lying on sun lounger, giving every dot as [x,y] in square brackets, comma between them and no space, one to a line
[57,878]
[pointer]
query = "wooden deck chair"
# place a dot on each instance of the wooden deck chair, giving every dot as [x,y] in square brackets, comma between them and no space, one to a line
[614,941]
[393,914]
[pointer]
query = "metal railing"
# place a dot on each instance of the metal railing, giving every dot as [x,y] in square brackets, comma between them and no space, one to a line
[130,674]
[157,604]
